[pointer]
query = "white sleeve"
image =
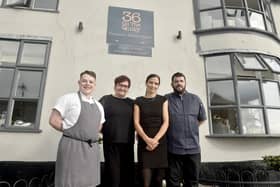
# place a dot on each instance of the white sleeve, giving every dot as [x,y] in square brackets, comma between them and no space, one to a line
[101,109]
[61,105]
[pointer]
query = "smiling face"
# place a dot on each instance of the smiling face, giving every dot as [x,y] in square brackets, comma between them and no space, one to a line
[179,84]
[152,85]
[86,84]
[121,89]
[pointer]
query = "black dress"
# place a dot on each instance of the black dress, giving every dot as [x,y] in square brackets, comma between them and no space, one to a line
[151,120]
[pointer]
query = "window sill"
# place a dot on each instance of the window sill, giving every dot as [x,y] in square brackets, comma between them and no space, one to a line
[32,9]
[237,29]
[20,130]
[242,136]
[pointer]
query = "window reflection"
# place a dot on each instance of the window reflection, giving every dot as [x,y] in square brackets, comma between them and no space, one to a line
[29,84]
[252,121]
[273,120]
[256,20]
[250,61]
[43,4]
[204,4]
[253,4]
[33,54]
[3,112]
[6,78]
[211,19]
[8,52]
[236,17]
[218,67]
[24,113]
[236,3]
[249,92]
[221,93]
[271,93]
[272,62]
[224,121]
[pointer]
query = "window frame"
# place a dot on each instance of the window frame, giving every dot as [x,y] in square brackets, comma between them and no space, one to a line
[12,98]
[238,106]
[30,7]
[245,8]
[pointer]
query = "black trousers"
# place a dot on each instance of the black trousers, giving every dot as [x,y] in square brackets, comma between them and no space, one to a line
[183,169]
[119,164]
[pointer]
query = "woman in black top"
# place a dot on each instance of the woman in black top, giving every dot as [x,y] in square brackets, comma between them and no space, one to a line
[151,123]
[118,135]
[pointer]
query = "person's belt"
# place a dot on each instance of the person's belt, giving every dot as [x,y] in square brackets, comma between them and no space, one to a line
[89,141]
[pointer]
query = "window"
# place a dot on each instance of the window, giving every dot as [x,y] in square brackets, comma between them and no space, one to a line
[236,13]
[243,94]
[32,4]
[23,65]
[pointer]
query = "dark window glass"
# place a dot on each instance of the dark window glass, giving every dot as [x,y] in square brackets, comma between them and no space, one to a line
[29,84]
[24,113]
[236,3]
[224,121]
[221,93]
[252,121]
[253,4]
[218,67]
[205,4]
[46,4]
[6,78]
[249,92]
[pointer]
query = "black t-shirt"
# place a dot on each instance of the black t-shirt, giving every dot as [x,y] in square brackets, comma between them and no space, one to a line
[118,127]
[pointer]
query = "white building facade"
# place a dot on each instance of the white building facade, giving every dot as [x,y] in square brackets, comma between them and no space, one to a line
[229,51]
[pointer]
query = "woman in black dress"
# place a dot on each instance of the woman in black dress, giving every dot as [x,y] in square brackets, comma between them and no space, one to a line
[151,123]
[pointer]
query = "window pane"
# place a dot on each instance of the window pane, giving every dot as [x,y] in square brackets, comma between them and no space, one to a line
[21,3]
[3,112]
[218,67]
[240,72]
[8,52]
[250,61]
[253,4]
[267,9]
[6,78]
[221,93]
[273,120]
[236,17]
[252,121]
[29,84]
[211,19]
[272,62]
[236,3]
[224,121]
[249,92]
[43,4]
[271,93]
[33,54]
[256,20]
[204,4]
[269,26]
[24,113]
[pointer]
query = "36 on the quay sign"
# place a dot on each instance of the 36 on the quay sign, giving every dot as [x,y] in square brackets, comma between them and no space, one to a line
[131,21]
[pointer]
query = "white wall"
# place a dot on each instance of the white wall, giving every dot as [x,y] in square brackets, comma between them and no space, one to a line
[73,52]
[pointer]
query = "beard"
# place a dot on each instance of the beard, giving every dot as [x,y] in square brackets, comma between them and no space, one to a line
[179,89]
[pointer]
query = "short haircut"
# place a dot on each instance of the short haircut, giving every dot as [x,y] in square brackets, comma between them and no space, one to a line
[122,78]
[152,76]
[177,74]
[90,73]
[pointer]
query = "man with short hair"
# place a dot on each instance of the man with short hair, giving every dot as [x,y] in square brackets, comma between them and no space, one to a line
[186,113]
[118,135]
[79,117]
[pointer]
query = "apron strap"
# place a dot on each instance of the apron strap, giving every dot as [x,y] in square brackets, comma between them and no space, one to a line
[89,141]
